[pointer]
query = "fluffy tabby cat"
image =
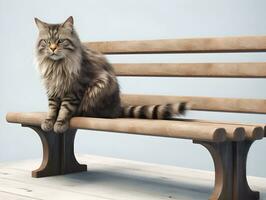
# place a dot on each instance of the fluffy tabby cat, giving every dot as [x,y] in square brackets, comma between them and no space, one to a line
[81,82]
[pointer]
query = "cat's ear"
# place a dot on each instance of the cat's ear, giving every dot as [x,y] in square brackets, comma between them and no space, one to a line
[69,23]
[40,24]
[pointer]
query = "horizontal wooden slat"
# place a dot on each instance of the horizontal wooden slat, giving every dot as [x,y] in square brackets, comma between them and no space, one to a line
[201,103]
[164,128]
[194,45]
[244,70]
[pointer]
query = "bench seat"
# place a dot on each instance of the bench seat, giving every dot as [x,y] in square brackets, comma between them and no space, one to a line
[186,129]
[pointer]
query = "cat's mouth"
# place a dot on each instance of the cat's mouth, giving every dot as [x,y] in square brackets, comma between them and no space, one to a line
[55,56]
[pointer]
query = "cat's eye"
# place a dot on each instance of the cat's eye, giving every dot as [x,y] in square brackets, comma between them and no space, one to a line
[61,40]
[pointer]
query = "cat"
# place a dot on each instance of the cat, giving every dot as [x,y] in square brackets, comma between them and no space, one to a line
[81,82]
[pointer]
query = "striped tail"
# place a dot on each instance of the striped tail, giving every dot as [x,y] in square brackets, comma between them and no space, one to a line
[154,111]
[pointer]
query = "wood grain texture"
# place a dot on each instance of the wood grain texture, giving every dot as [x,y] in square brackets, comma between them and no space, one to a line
[112,179]
[239,70]
[201,103]
[194,45]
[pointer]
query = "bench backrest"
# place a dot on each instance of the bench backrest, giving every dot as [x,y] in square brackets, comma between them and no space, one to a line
[202,45]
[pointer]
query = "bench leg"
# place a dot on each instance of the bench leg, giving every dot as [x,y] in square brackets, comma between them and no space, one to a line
[230,160]
[58,154]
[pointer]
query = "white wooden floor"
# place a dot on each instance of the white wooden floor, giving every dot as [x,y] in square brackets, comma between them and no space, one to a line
[110,179]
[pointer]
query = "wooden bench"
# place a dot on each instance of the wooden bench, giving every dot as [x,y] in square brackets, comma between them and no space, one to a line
[228,143]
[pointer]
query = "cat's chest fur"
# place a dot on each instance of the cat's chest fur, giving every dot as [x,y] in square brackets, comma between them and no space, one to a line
[59,77]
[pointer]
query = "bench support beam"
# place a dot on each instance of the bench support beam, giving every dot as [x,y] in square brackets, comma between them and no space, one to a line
[58,154]
[230,160]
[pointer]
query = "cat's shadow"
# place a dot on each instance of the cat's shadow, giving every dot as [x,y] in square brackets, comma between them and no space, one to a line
[106,179]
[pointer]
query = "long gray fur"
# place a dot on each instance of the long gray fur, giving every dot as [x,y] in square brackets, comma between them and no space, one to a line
[81,82]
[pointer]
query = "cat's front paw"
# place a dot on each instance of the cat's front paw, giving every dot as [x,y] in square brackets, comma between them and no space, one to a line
[61,126]
[47,125]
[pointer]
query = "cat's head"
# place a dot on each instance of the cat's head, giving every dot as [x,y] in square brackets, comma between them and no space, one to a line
[57,41]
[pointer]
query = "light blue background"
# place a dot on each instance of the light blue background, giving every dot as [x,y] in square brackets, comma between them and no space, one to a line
[95,20]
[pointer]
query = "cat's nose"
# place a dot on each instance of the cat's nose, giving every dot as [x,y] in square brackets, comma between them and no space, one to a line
[53,46]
